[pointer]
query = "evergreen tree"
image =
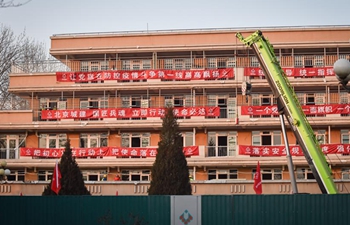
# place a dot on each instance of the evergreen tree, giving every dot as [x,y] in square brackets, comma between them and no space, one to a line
[72,182]
[170,174]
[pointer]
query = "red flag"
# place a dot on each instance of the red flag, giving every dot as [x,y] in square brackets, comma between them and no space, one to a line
[257,181]
[56,179]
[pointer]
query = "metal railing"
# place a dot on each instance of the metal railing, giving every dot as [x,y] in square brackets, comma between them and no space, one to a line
[94,64]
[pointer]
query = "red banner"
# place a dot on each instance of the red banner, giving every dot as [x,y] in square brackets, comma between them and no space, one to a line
[210,74]
[293,72]
[294,150]
[128,112]
[308,109]
[100,152]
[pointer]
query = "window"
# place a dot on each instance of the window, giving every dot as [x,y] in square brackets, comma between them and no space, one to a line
[226,103]
[187,139]
[345,136]
[16,175]
[254,62]
[53,103]
[94,103]
[52,140]
[97,65]
[217,63]
[231,62]
[211,62]
[136,64]
[311,98]
[266,138]
[44,175]
[343,98]
[345,173]
[269,174]
[304,174]
[168,63]
[319,61]
[222,174]
[125,64]
[222,144]
[174,101]
[94,175]
[134,102]
[10,144]
[305,61]
[136,175]
[321,136]
[135,139]
[183,64]
[94,140]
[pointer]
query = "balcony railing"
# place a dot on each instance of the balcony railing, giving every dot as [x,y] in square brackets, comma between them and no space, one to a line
[170,64]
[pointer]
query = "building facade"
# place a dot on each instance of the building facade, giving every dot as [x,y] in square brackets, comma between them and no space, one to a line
[107,92]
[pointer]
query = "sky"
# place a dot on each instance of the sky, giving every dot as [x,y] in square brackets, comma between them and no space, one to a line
[41,19]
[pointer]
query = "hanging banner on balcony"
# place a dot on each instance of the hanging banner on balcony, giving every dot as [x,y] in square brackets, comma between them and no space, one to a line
[100,152]
[123,75]
[120,113]
[308,109]
[293,72]
[294,150]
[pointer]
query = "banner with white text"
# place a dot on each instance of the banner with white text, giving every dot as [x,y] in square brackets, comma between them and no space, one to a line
[294,150]
[293,72]
[307,109]
[100,152]
[121,113]
[124,75]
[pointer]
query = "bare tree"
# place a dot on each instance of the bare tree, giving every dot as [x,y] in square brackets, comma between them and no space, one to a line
[6,4]
[16,50]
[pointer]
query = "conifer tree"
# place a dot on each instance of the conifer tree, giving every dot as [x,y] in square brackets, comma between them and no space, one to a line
[72,182]
[170,174]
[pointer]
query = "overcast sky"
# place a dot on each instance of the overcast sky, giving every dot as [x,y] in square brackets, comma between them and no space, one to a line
[43,18]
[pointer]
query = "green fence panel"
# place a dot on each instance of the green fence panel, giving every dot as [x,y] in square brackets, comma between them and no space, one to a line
[66,210]
[297,209]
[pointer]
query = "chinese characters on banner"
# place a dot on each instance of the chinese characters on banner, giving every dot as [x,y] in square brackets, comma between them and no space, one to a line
[294,150]
[121,75]
[308,109]
[101,152]
[293,72]
[128,112]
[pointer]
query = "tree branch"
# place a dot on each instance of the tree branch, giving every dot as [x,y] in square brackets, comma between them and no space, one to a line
[11,3]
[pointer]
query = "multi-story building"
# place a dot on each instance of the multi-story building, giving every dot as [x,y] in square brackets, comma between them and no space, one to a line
[107,92]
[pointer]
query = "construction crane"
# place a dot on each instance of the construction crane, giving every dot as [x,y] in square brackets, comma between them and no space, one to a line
[291,109]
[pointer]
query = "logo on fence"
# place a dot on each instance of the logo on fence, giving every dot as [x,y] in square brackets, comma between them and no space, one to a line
[186,217]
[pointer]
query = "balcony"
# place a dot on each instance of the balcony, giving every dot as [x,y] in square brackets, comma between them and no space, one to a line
[298,61]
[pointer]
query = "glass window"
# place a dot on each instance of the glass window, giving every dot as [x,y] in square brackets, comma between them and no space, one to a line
[269,174]
[52,140]
[222,174]
[136,175]
[344,136]
[10,144]
[304,174]
[93,140]
[345,173]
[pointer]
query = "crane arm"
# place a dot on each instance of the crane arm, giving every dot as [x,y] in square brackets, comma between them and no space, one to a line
[296,118]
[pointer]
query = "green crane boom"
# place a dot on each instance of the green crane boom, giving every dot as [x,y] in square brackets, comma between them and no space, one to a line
[296,118]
